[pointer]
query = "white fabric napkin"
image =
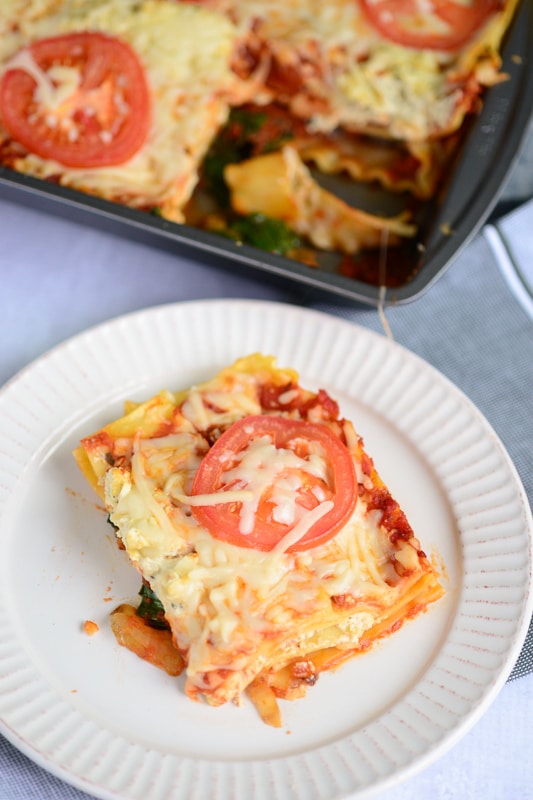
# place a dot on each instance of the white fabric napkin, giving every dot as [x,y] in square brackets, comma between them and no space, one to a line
[511,240]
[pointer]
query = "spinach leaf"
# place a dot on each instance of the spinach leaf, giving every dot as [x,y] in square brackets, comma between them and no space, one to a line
[231,146]
[263,232]
[151,609]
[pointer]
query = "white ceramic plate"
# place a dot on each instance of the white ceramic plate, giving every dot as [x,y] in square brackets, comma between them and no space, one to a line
[91,713]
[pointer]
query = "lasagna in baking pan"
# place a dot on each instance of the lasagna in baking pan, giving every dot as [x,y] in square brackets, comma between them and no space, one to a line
[224,114]
[268,546]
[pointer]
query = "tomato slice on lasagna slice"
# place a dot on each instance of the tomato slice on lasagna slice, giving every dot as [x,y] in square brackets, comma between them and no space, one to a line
[251,509]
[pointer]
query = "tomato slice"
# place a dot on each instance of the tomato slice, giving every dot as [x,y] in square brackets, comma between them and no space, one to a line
[298,480]
[435,25]
[80,99]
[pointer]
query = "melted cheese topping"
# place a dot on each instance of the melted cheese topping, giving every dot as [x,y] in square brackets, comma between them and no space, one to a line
[409,88]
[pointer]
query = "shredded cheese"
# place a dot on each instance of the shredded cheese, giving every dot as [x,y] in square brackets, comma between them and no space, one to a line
[303,526]
[53,87]
[215,498]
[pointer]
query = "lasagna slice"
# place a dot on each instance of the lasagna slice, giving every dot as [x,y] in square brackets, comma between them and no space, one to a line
[261,527]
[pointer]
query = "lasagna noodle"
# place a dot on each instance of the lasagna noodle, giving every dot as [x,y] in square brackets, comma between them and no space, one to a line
[242,617]
[413,167]
[279,185]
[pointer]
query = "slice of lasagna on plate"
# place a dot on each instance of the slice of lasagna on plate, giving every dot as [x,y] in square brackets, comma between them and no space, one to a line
[269,548]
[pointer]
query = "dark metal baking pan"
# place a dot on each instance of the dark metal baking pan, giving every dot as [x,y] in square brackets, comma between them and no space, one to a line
[488,153]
